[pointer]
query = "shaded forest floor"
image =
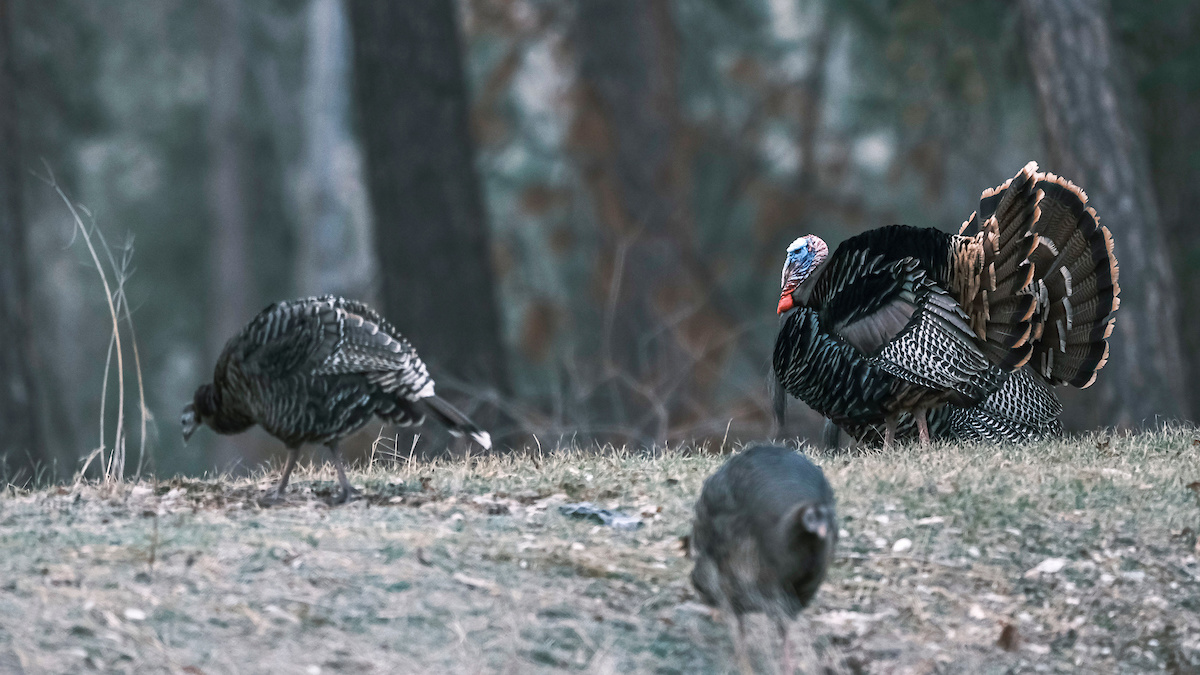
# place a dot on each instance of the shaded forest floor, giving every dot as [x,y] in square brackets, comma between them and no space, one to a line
[1082,554]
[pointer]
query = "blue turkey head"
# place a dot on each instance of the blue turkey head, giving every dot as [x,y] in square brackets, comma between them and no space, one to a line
[804,257]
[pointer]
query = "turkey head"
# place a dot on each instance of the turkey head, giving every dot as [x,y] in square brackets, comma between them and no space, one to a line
[805,258]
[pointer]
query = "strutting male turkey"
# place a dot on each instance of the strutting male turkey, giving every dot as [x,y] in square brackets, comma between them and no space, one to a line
[316,370]
[763,536]
[901,320]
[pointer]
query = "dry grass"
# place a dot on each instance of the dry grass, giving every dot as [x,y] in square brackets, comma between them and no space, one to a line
[468,567]
[110,460]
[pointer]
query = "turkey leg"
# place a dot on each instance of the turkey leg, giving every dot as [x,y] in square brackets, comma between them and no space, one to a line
[889,434]
[290,464]
[739,645]
[344,496]
[922,425]
[786,659]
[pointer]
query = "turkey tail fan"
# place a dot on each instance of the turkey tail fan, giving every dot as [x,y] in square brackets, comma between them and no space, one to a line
[1049,286]
[1003,302]
[1078,273]
[455,421]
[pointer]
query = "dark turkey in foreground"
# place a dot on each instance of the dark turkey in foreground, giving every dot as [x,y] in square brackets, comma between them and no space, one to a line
[764,534]
[315,370]
[901,320]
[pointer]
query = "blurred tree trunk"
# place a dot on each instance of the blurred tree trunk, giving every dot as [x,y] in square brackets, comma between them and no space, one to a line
[230,269]
[660,327]
[229,265]
[1170,84]
[1090,140]
[431,233]
[1176,174]
[335,254]
[21,449]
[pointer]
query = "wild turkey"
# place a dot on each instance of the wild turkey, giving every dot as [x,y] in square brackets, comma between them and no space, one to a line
[315,370]
[763,536]
[901,320]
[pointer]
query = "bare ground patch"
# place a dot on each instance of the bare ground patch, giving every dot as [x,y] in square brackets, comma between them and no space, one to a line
[1076,556]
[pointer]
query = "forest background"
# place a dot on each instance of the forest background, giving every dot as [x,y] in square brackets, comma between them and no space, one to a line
[576,211]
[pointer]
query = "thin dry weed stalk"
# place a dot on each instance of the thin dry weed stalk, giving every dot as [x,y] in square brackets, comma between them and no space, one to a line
[391,451]
[374,449]
[123,272]
[112,463]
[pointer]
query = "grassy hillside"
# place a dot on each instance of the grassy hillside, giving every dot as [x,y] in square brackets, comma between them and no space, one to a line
[1086,550]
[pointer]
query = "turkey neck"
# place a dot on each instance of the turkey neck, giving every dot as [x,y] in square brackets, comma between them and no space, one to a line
[229,422]
[227,419]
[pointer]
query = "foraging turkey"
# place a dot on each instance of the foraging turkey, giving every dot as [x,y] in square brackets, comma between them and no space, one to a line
[316,370]
[901,320]
[763,536]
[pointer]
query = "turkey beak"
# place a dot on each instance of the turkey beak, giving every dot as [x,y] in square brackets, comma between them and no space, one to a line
[822,530]
[189,423]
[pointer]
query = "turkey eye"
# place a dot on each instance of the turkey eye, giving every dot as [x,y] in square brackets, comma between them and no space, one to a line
[812,520]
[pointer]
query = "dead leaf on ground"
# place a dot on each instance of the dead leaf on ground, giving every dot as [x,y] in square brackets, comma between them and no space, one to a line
[476,583]
[1009,639]
[1047,566]
[650,511]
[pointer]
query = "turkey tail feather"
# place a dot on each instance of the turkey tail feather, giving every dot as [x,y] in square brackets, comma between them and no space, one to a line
[1050,287]
[1078,270]
[455,421]
[1003,304]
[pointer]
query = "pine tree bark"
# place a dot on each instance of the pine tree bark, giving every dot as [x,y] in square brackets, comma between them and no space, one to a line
[21,449]
[431,232]
[1090,139]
